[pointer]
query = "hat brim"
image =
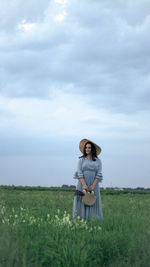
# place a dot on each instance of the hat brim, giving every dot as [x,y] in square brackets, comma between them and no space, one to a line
[84,141]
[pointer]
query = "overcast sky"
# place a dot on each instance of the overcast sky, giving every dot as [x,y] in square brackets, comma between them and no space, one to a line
[71,70]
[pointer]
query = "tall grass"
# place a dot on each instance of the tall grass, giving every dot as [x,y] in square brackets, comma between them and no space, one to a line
[37,229]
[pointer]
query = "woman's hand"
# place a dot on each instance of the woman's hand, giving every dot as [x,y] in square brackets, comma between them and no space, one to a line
[91,188]
[85,187]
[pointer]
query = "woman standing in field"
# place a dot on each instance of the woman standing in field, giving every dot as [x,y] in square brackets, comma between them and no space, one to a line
[89,174]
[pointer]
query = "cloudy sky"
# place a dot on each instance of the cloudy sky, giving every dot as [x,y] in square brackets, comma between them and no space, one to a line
[71,70]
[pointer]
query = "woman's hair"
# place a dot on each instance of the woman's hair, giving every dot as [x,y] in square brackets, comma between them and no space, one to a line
[93,151]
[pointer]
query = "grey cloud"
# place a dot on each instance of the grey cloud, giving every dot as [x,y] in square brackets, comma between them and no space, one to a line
[102,52]
[13,12]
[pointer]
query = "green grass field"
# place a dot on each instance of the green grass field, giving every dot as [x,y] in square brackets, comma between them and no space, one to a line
[37,230]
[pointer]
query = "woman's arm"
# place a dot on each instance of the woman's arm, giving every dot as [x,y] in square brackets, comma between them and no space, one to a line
[83,183]
[80,174]
[98,176]
[94,183]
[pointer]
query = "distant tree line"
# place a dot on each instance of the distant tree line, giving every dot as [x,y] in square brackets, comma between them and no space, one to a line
[71,188]
[110,188]
[125,188]
[68,186]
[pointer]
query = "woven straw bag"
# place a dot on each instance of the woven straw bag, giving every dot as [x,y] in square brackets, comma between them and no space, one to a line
[89,199]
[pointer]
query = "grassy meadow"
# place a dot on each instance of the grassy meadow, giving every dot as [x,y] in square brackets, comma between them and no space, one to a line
[37,229]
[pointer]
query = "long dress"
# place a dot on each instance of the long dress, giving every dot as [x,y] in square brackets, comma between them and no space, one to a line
[89,170]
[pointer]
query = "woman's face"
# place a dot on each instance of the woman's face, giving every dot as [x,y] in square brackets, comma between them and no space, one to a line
[88,149]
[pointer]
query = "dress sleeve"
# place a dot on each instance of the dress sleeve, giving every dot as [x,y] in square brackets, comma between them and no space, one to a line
[79,168]
[99,175]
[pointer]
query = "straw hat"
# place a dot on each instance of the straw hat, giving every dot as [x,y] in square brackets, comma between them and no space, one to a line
[84,141]
[89,199]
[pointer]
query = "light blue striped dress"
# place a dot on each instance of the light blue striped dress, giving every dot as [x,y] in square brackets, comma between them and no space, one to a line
[89,170]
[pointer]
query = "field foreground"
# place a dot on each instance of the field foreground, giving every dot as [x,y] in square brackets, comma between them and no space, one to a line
[37,230]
